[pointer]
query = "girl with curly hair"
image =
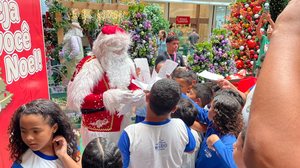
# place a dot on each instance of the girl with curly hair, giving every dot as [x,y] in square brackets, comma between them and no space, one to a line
[224,125]
[41,136]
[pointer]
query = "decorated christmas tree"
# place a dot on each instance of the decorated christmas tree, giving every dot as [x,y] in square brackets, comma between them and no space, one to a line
[5,96]
[214,55]
[140,28]
[276,7]
[242,23]
[155,15]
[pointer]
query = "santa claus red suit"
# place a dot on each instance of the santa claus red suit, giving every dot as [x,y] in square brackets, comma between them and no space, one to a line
[101,87]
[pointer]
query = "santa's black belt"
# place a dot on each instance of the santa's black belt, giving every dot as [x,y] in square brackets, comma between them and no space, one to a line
[89,111]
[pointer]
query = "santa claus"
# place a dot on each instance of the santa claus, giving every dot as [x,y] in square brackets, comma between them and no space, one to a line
[101,86]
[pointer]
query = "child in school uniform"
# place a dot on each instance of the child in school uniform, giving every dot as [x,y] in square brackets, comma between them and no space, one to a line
[200,94]
[41,136]
[224,124]
[188,114]
[157,141]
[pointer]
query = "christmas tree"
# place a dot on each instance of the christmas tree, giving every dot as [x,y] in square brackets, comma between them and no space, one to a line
[242,23]
[214,55]
[276,7]
[140,28]
[155,15]
[5,96]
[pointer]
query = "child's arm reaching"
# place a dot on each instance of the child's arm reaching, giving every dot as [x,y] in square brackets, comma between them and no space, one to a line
[225,152]
[60,148]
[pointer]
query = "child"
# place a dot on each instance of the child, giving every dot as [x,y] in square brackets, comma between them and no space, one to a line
[41,136]
[200,94]
[225,123]
[186,79]
[188,114]
[158,141]
[141,112]
[100,153]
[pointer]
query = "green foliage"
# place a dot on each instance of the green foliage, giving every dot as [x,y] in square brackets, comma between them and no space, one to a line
[56,7]
[155,15]
[140,27]
[214,55]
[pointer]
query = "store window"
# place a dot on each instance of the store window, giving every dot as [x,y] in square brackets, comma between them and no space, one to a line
[220,13]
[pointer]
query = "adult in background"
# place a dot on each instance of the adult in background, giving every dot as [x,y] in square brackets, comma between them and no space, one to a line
[272,138]
[101,87]
[171,53]
[72,51]
[194,37]
[161,42]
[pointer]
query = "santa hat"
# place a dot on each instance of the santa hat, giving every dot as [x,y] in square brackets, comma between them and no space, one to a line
[111,38]
[109,29]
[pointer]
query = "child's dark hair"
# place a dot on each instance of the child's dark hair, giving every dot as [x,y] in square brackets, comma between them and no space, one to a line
[228,118]
[233,93]
[49,111]
[186,112]
[187,76]
[159,60]
[164,96]
[203,92]
[100,153]
[171,38]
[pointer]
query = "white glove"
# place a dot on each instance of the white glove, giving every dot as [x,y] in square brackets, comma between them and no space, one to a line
[113,98]
[139,98]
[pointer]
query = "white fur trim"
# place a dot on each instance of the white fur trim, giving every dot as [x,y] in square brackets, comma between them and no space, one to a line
[109,102]
[108,43]
[83,84]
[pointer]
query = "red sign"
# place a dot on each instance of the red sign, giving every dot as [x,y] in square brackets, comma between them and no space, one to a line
[183,20]
[23,70]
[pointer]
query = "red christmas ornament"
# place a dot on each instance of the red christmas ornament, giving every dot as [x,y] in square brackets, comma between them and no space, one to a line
[251,44]
[239,64]
[257,9]
[252,52]
[255,56]
[250,29]
[242,52]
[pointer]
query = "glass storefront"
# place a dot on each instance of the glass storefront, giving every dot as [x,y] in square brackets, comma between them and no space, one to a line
[220,13]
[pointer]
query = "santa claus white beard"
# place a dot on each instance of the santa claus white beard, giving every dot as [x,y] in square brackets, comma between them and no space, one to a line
[118,70]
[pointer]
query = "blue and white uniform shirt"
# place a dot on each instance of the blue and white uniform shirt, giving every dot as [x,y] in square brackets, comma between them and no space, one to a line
[38,159]
[156,144]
